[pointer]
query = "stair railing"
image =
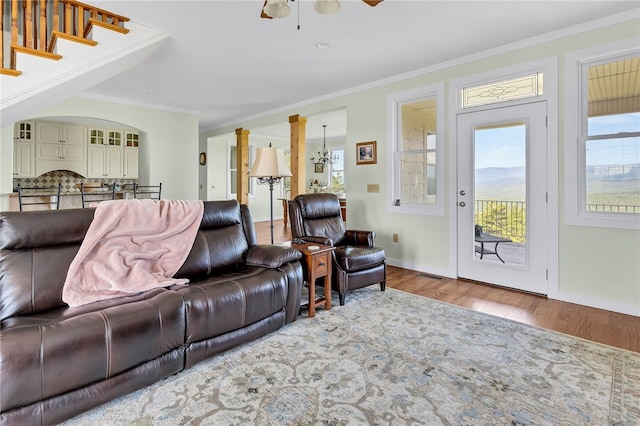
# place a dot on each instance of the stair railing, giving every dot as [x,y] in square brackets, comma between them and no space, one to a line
[36,25]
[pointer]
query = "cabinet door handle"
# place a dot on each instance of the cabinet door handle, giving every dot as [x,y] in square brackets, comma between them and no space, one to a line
[322,264]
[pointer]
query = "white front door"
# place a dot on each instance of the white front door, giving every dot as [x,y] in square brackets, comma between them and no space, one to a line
[502,196]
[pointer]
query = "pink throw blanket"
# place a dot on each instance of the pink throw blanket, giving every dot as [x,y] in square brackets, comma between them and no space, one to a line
[132,246]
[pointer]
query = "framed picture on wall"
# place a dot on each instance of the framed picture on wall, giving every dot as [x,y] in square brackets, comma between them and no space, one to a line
[319,168]
[366,153]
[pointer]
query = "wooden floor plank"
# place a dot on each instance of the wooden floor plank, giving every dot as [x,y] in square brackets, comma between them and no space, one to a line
[593,324]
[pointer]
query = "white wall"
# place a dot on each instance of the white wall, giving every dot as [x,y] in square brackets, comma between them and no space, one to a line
[217,175]
[597,267]
[6,166]
[168,142]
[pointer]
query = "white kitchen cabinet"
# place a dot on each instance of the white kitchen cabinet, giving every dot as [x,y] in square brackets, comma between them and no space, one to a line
[24,131]
[108,137]
[69,134]
[105,162]
[131,163]
[24,149]
[131,139]
[97,136]
[60,152]
[60,147]
[114,138]
[89,150]
[23,159]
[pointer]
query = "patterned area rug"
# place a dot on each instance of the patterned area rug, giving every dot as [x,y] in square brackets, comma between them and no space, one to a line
[394,358]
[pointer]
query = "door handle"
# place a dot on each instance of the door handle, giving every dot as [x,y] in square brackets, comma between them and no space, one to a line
[461,204]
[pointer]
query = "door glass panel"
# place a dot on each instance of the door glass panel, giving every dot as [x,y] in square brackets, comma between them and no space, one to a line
[500,193]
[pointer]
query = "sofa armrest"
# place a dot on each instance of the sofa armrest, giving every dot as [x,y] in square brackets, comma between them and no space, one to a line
[271,256]
[359,238]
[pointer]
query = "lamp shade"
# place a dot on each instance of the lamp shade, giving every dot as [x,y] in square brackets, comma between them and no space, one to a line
[326,6]
[277,8]
[270,162]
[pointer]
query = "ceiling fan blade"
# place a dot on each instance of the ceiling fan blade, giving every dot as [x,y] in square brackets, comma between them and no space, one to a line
[262,14]
[372,3]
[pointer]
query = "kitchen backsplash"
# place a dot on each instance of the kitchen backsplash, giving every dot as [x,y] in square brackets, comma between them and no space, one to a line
[68,180]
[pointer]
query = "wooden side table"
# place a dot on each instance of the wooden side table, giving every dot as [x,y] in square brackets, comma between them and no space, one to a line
[317,264]
[285,211]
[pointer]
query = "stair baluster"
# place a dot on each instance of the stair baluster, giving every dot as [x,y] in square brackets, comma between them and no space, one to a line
[36,25]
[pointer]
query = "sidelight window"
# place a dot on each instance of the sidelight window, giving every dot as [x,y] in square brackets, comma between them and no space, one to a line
[417,151]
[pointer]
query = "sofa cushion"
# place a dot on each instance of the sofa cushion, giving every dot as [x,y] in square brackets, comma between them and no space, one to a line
[45,355]
[220,244]
[231,301]
[355,258]
[36,249]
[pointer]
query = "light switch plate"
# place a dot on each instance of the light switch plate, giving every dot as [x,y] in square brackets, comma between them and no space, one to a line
[373,187]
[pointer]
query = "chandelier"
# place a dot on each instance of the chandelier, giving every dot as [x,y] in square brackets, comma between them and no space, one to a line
[324,156]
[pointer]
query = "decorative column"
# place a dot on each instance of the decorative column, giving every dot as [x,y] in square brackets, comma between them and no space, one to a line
[298,156]
[242,149]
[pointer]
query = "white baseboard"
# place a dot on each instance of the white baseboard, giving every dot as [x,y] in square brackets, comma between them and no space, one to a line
[421,268]
[596,302]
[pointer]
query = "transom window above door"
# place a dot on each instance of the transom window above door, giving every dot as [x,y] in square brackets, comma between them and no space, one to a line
[526,86]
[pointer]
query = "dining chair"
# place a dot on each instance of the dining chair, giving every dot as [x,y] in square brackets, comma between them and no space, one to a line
[152,192]
[93,195]
[31,196]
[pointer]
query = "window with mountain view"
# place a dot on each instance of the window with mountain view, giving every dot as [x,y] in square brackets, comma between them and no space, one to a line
[610,136]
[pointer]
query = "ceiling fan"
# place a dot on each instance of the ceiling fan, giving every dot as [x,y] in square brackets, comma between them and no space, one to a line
[280,8]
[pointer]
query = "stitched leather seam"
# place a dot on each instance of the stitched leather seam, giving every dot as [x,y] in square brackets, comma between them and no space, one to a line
[107,342]
[206,247]
[161,324]
[33,284]
[41,363]
[244,302]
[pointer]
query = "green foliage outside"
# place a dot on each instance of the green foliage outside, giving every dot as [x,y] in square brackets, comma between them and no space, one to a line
[505,219]
[337,182]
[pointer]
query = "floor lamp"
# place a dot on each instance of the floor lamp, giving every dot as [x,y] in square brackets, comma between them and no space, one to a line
[270,166]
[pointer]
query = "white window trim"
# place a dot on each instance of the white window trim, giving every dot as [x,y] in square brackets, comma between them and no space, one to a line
[252,181]
[344,177]
[393,100]
[575,214]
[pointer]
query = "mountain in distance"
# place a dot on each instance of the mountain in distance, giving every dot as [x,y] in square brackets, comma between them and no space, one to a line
[606,184]
[500,183]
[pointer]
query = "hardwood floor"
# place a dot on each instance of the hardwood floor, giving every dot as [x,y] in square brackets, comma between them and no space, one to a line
[593,324]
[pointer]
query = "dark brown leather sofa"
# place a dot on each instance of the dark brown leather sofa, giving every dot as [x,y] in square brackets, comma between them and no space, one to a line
[57,361]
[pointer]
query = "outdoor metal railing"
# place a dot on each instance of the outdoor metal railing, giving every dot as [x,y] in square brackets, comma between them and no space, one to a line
[506,219]
[614,208]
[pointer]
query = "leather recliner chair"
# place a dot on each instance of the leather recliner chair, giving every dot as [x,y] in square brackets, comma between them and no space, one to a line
[357,262]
